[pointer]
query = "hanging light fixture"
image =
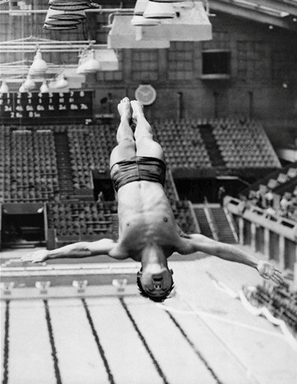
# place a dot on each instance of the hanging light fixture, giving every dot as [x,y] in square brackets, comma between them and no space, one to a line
[89,64]
[29,83]
[79,15]
[65,15]
[140,7]
[138,19]
[52,22]
[71,5]
[44,87]
[60,27]
[23,89]
[4,87]
[141,21]
[61,82]
[38,66]
[169,1]
[159,10]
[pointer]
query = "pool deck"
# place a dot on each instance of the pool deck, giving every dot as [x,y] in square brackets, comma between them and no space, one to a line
[104,333]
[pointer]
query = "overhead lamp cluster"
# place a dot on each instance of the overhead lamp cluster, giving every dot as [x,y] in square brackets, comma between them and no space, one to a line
[4,87]
[88,63]
[29,85]
[36,71]
[66,14]
[150,12]
[156,23]
[92,58]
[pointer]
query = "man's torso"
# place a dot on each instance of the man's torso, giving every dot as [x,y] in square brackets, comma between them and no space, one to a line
[145,217]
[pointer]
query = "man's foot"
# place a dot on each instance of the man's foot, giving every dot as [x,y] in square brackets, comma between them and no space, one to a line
[124,108]
[137,108]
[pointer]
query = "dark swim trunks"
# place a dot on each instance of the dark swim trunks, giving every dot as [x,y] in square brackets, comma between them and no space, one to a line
[136,169]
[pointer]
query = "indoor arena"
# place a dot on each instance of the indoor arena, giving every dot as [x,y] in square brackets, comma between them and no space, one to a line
[148,191]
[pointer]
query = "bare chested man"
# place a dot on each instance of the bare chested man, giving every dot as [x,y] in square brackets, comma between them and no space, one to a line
[148,232]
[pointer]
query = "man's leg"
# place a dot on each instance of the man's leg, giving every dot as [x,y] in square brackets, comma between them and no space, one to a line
[145,144]
[125,149]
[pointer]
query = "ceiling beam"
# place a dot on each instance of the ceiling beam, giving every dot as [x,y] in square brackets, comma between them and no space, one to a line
[25,12]
[279,5]
[229,7]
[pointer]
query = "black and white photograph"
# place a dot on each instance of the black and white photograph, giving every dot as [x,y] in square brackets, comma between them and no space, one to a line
[148,191]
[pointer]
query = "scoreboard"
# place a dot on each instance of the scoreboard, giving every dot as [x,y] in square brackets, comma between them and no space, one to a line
[46,108]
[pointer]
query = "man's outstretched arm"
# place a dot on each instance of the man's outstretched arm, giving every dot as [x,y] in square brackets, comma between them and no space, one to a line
[75,250]
[200,243]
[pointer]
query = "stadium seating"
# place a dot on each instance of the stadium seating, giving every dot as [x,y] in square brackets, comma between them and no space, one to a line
[182,143]
[30,165]
[244,144]
[279,300]
[80,219]
[30,161]
[282,184]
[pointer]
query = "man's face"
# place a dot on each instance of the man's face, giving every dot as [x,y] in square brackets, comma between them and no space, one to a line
[156,282]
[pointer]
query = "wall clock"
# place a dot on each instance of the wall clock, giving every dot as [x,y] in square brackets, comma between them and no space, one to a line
[146,94]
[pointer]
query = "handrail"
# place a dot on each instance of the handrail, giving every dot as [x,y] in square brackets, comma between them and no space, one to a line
[231,224]
[276,224]
[211,221]
[194,217]
[170,177]
[88,10]
[0,224]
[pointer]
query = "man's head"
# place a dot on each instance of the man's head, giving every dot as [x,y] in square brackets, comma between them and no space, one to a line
[155,284]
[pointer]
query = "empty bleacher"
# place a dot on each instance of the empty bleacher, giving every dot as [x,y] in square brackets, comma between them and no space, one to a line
[182,143]
[77,220]
[244,144]
[54,165]
[88,221]
[32,156]
[30,165]
[207,143]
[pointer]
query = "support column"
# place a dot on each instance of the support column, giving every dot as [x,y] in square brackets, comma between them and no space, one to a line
[295,276]
[253,236]
[295,269]
[282,262]
[266,243]
[241,231]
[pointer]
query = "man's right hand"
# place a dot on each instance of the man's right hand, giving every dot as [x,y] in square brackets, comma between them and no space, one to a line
[36,257]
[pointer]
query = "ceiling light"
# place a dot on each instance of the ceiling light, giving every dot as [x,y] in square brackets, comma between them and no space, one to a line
[44,87]
[61,83]
[4,87]
[159,10]
[38,66]
[138,19]
[144,21]
[69,5]
[88,64]
[69,15]
[140,7]
[23,89]
[29,83]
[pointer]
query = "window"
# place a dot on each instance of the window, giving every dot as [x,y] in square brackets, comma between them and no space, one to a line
[215,64]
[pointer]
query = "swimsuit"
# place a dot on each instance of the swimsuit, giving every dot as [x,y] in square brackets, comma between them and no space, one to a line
[136,169]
